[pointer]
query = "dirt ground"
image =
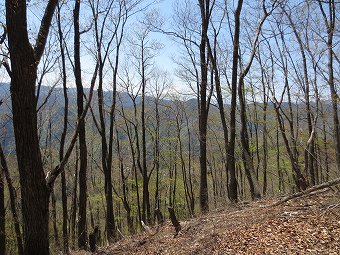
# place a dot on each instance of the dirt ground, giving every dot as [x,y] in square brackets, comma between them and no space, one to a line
[309,225]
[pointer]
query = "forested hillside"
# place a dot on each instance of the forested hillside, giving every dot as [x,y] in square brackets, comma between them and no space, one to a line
[117,115]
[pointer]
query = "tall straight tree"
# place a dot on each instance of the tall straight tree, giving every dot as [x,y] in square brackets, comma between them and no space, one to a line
[305,83]
[204,102]
[231,144]
[64,132]
[82,230]
[24,61]
[109,32]
[106,153]
[144,50]
[13,201]
[330,21]
[244,136]
[2,213]
[2,190]
[214,61]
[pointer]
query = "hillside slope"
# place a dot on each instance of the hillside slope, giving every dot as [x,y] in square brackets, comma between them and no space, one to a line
[309,225]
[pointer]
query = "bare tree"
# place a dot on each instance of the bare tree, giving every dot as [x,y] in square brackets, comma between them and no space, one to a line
[231,146]
[2,214]
[64,132]
[82,226]
[205,94]
[330,21]
[24,61]
[244,137]
[290,139]
[305,84]
[143,50]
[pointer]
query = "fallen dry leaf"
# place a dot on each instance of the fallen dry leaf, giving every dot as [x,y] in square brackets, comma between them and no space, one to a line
[301,226]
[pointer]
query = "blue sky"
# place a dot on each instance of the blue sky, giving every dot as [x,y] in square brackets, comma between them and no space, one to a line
[162,60]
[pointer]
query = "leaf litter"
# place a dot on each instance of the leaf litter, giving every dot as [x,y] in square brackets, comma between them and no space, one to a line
[308,225]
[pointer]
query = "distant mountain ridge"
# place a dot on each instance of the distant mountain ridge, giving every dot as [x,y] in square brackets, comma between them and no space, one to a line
[56,101]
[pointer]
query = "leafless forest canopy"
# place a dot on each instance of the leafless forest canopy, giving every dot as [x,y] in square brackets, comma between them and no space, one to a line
[114,113]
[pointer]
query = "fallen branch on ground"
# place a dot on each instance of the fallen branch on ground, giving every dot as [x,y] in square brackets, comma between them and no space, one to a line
[308,191]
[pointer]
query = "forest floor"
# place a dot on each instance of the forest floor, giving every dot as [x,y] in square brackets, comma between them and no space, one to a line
[307,225]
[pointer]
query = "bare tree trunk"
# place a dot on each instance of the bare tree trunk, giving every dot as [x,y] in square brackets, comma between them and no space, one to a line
[191,191]
[54,220]
[157,212]
[204,104]
[82,224]
[231,145]
[125,201]
[2,191]
[13,202]
[309,153]
[24,62]
[49,145]
[265,82]
[110,221]
[2,213]
[248,162]
[184,169]
[174,220]
[324,140]
[103,49]
[175,176]
[213,56]
[74,199]
[330,24]
[34,192]
[146,211]
[289,138]
[63,135]
[133,154]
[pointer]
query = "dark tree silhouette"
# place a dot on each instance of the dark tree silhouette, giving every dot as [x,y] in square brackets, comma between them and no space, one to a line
[24,61]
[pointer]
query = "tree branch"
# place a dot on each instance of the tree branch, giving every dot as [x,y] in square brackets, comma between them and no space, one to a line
[52,175]
[44,29]
[4,35]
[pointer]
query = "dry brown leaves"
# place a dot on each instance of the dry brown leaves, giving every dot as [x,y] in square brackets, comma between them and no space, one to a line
[302,226]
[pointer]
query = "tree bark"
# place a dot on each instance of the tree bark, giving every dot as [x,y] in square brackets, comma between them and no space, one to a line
[2,213]
[213,56]
[63,136]
[231,145]
[146,211]
[2,188]
[309,153]
[174,220]
[203,105]
[82,224]
[13,202]
[24,61]
[74,199]
[330,24]
[247,160]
